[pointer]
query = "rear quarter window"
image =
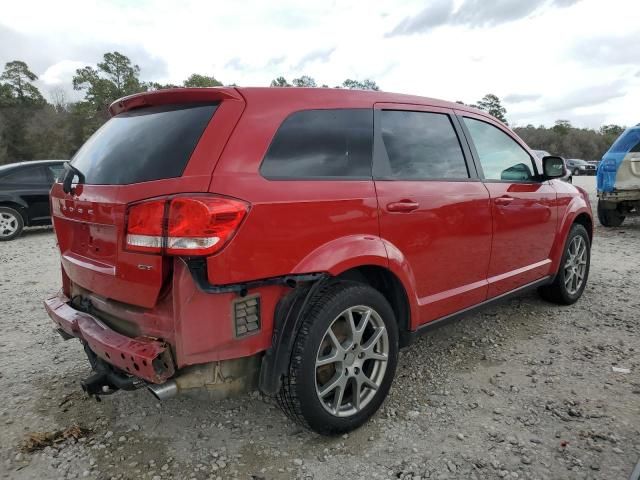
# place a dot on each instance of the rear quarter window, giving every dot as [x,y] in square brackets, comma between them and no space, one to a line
[142,145]
[317,144]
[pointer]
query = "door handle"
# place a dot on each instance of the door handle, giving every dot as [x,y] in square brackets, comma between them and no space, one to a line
[404,206]
[504,200]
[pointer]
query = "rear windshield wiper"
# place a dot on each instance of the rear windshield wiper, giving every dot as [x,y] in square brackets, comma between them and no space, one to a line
[70,173]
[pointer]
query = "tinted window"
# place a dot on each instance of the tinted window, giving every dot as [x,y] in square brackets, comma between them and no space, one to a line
[143,145]
[27,175]
[57,172]
[501,157]
[322,143]
[421,145]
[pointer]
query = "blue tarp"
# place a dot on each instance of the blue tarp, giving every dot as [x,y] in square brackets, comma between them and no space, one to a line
[608,168]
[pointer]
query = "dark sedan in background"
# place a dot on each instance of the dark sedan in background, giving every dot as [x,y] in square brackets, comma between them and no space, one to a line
[581,167]
[24,195]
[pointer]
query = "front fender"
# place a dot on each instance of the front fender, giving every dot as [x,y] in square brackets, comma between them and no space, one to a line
[353,251]
[577,206]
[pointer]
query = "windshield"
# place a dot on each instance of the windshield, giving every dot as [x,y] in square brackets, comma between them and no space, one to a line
[141,145]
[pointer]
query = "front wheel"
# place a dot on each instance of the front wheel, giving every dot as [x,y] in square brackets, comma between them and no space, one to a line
[571,279]
[576,172]
[343,361]
[11,223]
[609,217]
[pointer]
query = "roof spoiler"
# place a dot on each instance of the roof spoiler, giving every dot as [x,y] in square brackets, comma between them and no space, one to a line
[171,96]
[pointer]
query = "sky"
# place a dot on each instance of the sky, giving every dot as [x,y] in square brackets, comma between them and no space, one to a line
[577,60]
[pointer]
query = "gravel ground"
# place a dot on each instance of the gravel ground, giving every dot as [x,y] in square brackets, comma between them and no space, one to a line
[521,390]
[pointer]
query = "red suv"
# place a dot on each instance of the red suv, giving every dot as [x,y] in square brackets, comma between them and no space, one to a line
[293,239]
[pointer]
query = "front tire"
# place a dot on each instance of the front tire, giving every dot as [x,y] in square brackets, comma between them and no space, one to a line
[571,279]
[608,217]
[576,172]
[11,223]
[343,361]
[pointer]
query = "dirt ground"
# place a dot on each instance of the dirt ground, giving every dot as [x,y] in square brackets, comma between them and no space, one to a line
[523,390]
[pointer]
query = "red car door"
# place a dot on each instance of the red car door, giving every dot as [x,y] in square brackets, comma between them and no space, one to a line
[434,211]
[524,209]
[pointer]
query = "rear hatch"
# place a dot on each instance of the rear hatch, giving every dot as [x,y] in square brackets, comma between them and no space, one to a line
[156,144]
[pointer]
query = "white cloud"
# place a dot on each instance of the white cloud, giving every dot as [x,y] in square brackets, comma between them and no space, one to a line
[544,57]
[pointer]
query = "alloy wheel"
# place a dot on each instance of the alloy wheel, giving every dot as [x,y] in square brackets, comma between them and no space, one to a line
[8,224]
[351,361]
[575,266]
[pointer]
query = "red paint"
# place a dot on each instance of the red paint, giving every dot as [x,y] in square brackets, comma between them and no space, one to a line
[450,244]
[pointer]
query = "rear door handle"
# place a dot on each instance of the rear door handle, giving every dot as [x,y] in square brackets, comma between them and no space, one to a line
[503,200]
[404,206]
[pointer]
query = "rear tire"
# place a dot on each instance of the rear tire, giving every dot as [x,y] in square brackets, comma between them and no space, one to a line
[571,279]
[340,371]
[11,224]
[609,218]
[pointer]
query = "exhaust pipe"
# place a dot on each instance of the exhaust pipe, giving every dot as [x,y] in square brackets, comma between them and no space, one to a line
[164,390]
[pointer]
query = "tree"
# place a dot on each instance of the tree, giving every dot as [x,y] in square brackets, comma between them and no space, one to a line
[490,103]
[365,84]
[304,81]
[115,77]
[18,86]
[197,80]
[612,130]
[562,126]
[280,82]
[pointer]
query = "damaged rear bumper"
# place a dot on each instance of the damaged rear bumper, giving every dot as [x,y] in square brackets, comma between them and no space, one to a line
[142,357]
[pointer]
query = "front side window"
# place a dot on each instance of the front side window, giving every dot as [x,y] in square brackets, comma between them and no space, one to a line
[322,144]
[420,146]
[501,157]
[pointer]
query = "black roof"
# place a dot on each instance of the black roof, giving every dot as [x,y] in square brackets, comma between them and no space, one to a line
[11,166]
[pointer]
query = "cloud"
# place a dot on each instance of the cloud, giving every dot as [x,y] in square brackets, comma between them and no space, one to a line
[589,96]
[56,64]
[472,13]
[604,50]
[436,14]
[276,61]
[521,97]
[321,55]
[236,64]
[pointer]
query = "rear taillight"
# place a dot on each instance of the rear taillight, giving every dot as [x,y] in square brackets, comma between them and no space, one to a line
[145,225]
[193,225]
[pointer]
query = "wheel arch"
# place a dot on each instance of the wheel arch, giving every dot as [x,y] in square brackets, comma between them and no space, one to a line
[390,286]
[373,257]
[19,207]
[578,211]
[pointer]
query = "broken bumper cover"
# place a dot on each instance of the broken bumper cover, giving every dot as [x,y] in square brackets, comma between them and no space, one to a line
[142,357]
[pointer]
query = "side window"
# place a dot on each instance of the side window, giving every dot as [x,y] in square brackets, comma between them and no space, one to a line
[501,157]
[420,146]
[322,144]
[27,175]
[57,172]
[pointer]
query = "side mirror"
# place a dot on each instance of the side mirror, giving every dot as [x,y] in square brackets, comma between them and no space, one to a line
[553,167]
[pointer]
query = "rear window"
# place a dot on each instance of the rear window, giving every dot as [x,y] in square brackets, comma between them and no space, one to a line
[147,144]
[316,144]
